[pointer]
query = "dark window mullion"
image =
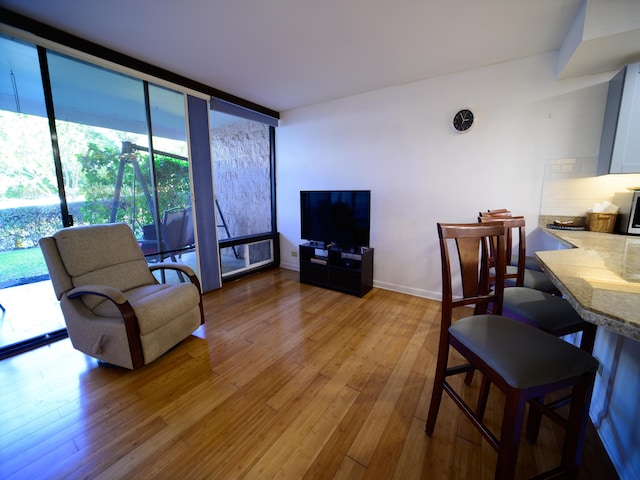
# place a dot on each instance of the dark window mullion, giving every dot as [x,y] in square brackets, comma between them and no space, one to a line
[152,162]
[67,220]
[272,173]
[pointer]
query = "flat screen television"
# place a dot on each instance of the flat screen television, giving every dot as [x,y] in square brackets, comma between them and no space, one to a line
[338,217]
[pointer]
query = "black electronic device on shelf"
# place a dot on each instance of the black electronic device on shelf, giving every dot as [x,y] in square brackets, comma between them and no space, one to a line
[335,217]
[336,224]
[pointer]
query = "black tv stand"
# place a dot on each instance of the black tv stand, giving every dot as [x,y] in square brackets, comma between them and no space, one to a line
[348,270]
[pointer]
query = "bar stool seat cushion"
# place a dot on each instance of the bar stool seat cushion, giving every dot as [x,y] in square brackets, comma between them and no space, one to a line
[532,279]
[523,355]
[539,309]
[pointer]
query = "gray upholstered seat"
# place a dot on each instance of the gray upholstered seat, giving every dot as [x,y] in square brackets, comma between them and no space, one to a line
[114,308]
[530,262]
[536,279]
[539,309]
[524,356]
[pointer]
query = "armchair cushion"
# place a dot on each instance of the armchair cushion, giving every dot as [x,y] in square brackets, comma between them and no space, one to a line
[124,277]
[114,259]
[105,291]
[154,305]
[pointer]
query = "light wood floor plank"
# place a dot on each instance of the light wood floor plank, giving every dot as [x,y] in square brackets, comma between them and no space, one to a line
[284,381]
[349,470]
[331,459]
[415,447]
[299,459]
[369,436]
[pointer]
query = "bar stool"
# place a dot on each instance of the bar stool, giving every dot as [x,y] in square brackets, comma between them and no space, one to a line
[531,263]
[524,362]
[537,307]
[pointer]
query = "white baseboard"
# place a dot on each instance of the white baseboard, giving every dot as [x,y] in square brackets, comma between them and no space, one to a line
[416,292]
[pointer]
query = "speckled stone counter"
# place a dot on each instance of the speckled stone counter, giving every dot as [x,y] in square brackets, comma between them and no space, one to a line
[600,276]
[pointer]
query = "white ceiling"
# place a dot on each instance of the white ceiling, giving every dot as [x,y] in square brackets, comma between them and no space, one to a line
[285,54]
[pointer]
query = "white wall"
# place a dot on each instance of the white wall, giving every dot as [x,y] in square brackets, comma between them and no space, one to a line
[398,142]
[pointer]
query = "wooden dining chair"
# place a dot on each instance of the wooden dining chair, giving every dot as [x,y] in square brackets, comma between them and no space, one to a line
[525,363]
[539,308]
[531,262]
[536,306]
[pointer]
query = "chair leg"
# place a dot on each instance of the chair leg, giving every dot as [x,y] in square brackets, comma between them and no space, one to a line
[534,419]
[512,421]
[587,342]
[438,387]
[577,424]
[588,338]
[468,378]
[483,396]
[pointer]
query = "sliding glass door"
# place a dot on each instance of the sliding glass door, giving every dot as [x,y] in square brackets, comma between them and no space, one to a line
[81,144]
[174,227]
[29,200]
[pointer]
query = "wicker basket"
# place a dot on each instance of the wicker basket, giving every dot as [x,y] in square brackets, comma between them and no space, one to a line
[601,222]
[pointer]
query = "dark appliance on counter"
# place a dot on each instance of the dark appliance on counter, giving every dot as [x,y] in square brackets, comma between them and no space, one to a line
[629,214]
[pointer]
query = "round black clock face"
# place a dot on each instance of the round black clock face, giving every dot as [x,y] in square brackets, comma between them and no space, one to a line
[463,120]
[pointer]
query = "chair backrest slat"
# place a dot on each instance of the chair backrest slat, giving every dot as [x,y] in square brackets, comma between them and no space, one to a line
[471,243]
[514,226]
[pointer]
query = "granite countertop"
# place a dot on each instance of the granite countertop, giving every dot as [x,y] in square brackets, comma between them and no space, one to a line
[599,275]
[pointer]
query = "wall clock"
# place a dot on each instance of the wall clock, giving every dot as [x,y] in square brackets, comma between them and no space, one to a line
[463,120]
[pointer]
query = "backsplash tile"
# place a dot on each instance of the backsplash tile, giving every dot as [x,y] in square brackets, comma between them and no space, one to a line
[570,186]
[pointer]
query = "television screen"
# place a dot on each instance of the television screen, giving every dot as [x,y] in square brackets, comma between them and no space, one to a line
[338,217]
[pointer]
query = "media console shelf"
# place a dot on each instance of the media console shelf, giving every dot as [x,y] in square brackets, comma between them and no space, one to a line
[345,270]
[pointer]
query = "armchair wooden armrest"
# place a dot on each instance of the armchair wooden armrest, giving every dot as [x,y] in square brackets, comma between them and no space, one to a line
[179,267]
[110,293]
[186,269]
[128,316]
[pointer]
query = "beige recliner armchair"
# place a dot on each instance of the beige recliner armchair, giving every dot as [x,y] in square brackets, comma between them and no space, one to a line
[114,308]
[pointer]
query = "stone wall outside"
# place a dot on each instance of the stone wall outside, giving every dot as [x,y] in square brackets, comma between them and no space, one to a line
[242,178]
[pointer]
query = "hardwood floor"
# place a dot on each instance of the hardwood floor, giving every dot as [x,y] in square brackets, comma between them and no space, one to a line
[284,381]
